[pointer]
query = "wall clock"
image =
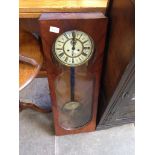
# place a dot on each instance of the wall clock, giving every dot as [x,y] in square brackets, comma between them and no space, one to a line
[73,45]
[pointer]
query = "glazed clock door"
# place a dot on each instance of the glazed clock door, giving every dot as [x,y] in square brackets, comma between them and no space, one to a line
[73,45]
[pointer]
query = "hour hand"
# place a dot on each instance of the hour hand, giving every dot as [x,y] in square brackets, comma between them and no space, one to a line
[72,53]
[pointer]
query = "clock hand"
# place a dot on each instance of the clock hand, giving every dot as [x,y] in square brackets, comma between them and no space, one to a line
[72,53]
[74,40]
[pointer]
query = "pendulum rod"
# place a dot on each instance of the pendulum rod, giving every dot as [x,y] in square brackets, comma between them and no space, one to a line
[72,69]
[72,83]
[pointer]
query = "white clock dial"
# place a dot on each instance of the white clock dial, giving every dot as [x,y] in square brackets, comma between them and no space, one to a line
[73,48]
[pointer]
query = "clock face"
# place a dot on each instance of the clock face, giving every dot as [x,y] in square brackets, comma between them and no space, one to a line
[73,48]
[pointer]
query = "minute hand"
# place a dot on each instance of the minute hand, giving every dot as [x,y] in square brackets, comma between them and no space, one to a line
[74,40]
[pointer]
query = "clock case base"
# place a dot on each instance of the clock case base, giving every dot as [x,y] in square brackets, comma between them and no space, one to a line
[94,24]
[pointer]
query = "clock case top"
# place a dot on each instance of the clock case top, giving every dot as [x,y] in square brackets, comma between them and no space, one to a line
[95,25]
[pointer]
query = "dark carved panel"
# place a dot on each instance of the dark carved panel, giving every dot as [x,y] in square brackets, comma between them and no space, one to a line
[121,108]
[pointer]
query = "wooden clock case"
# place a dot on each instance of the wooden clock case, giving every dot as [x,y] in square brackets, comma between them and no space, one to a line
[94,24]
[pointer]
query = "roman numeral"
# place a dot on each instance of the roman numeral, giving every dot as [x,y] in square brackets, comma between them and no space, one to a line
[84,54]
[66,36]
[85,41]
[73,34]
[61,54]
[72,60]
[58,48]
[86,48]
[66,59]
[80,36]
[60,42]
[80,59]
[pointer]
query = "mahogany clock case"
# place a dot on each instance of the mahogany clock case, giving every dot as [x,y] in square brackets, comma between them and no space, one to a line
[87,76]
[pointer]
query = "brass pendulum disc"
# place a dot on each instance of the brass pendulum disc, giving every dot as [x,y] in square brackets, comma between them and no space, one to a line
[71,106]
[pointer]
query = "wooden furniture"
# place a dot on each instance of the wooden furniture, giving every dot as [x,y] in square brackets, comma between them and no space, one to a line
[31,59]
[30,11]
[87,76]
[120,43]
[119,48]
[29,52]
[118,54]
[33,8]
[121,108]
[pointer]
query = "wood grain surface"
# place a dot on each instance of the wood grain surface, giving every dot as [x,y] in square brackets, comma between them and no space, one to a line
[96,28]
[33,8]
[32,25]
[30,48]
[121,43]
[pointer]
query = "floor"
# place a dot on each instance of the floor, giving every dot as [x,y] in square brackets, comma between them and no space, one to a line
[37,132]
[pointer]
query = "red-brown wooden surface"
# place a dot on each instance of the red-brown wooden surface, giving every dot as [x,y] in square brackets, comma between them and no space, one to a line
[95,25]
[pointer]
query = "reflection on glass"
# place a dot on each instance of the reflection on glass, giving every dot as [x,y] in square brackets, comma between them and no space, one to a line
[74,94]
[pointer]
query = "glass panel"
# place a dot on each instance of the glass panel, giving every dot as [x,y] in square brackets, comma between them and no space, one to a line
[74,94]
